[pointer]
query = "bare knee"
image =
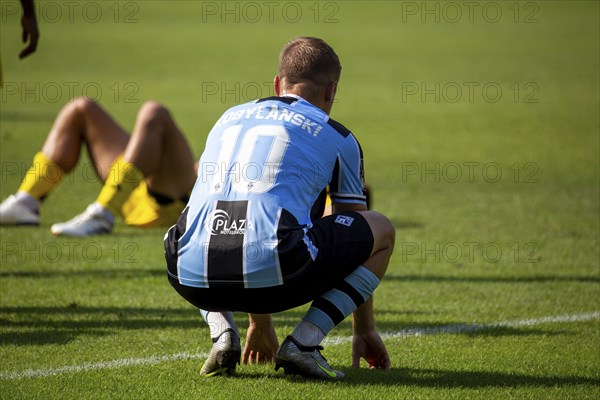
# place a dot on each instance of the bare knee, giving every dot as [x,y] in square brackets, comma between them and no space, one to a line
[153,111]
[387,235]
[154,120]
[384,236]
[85,104]
[384,233]
[81,105]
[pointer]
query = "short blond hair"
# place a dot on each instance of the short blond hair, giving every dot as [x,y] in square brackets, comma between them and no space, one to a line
[309,59]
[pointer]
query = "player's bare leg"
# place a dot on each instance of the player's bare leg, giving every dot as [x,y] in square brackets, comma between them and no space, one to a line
[161,152]
[84,121]
[366,342]
[80,121]
[384,236]
[156,152]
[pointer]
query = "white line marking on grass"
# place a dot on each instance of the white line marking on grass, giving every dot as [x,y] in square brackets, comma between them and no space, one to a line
[125,362]
[469,328]
[331,341]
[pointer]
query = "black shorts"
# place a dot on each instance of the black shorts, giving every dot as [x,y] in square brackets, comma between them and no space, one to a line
[344,241]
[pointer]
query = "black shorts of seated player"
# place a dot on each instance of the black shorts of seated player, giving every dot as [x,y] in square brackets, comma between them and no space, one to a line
[341,250]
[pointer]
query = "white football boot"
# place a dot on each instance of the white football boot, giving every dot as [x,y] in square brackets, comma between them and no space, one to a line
[13,212]
[93,221]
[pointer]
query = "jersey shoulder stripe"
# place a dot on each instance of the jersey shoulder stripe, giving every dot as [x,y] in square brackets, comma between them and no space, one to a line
[341,129]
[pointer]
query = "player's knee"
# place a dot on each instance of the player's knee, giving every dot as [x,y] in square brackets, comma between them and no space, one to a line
[153,110]
[383,230]
[388,232]
[83,105]
[153,114]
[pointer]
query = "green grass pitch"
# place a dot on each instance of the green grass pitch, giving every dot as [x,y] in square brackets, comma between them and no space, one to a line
[480,127]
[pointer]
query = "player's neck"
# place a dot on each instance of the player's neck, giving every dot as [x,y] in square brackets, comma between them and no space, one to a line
[309,96]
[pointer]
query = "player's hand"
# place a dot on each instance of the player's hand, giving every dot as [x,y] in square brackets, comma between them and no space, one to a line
[261,343]
[370,347]
[30,33]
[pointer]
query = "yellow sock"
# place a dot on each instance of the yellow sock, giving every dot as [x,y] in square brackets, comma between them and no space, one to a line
[123,178]
[41,177]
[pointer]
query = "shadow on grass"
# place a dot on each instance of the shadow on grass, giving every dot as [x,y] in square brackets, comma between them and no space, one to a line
[100,273]
[492,279]
[400,330]
[60,325]
[406,224]
[160,270]
[426,378]
[438,378]
[120,231]
[24,326]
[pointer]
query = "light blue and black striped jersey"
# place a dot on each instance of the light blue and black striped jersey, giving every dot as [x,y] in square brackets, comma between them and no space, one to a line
[261,183]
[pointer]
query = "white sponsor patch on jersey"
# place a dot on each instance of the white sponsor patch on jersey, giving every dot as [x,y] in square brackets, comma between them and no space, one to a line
[344,220]
[219,223]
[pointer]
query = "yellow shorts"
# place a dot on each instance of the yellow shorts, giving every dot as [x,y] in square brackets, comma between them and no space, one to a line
[142,210]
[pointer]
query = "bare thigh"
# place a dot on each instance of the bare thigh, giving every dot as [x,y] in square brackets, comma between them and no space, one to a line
[84,121]
[161,152]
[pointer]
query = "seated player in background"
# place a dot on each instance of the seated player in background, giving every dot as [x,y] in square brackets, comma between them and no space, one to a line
[147,176]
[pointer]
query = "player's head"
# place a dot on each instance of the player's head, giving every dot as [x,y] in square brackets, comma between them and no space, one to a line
[310,68]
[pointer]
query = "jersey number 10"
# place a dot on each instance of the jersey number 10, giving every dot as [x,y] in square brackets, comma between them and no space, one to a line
[251,159]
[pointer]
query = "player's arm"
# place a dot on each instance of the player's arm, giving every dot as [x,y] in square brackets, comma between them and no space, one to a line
[29,24]
[261,340]
[366,342]
[347,187]
[348,194]
[343,207]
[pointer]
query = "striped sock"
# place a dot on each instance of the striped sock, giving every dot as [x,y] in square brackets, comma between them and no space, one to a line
[219,322]
[335,305]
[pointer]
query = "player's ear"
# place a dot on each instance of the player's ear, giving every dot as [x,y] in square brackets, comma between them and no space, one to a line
[277,85]
[330,91]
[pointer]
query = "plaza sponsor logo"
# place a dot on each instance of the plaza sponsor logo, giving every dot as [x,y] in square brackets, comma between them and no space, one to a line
[220,223]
